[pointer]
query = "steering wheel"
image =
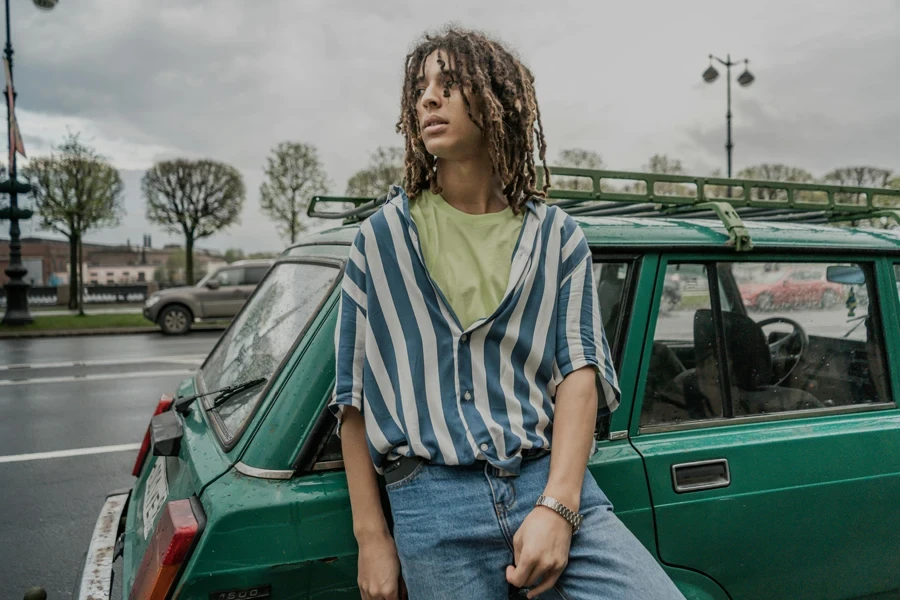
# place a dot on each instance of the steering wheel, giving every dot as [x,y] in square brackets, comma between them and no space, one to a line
[780,349]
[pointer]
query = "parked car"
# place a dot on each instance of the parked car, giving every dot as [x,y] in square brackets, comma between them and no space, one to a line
[793,288]
[219,295]
[753,455]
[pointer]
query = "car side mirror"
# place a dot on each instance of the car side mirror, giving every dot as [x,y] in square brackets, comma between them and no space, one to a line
[212,284]
[847,275]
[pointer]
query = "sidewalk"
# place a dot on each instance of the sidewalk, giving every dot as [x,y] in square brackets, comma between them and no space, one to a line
[134,309]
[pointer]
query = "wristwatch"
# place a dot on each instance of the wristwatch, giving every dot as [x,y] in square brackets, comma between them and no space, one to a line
[571,516]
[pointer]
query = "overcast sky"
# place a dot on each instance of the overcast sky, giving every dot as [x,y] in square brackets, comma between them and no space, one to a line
[228,79]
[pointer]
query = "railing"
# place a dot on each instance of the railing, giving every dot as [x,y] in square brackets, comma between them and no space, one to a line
[93,294]
[631,194]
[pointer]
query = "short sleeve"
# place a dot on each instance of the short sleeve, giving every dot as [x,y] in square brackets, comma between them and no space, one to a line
[580,339]
[350,333]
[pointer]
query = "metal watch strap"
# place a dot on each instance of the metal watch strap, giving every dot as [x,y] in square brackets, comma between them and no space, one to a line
[553,504]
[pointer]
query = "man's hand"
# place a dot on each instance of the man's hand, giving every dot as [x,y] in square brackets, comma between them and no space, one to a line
[541,548]
[379,570]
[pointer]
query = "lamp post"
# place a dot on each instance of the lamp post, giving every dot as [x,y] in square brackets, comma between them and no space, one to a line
[16,288]
[744,79]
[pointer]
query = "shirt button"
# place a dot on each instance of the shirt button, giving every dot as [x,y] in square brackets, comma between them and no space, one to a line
[484,447]
[463,338]
[467,396]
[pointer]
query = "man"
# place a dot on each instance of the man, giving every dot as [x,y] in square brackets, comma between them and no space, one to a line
[469,346]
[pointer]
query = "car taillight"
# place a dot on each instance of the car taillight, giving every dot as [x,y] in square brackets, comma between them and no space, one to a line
[165,403]
[167,549]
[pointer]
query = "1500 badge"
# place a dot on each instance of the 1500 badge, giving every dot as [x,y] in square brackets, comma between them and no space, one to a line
[263,591]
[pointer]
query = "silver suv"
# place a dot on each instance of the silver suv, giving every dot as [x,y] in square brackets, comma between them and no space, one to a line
[219,295]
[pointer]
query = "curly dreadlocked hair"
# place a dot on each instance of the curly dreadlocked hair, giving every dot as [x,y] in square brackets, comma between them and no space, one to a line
[510,119]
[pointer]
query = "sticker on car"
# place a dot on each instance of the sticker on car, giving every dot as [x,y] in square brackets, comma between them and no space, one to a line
[155,494]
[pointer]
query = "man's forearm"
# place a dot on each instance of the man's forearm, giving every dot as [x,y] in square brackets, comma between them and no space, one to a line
[362,480]
[573,436]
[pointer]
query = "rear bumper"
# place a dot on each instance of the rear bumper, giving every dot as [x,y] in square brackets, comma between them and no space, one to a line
[95,580]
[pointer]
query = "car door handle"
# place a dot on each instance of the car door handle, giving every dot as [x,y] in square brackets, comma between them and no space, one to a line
[702,475]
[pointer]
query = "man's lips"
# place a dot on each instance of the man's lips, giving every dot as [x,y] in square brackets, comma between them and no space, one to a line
[435,128]
[433,123]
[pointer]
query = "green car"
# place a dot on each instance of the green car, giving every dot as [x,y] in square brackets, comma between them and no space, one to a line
[756,453]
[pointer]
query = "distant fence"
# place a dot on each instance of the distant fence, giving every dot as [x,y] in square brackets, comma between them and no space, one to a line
[37,296]
[107,294]
[93,294]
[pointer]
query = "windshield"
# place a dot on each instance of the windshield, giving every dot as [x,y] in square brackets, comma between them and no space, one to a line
[263,333]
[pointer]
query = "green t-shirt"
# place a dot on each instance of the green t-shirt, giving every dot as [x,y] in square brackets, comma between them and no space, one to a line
[468,256]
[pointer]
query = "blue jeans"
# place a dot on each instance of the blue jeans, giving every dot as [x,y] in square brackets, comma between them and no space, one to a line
[454,526]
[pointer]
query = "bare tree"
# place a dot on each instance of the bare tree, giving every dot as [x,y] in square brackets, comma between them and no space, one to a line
[75,190]
[577,158]
[861,177]
[294,174]
[196,198]
[777,172]
[385,169]
[662,164]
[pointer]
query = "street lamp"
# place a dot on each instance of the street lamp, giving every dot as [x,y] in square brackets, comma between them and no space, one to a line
[16,288]
[744,79]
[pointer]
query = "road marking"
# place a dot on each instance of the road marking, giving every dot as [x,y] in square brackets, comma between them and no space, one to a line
[11,458]
[99,377]
[111,362]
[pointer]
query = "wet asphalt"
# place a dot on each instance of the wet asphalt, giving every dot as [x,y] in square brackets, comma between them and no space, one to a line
[63,394]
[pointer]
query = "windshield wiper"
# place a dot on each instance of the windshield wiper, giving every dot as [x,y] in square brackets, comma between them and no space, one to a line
[183,405]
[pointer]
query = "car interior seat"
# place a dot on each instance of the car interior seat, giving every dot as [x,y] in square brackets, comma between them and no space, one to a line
[750,362]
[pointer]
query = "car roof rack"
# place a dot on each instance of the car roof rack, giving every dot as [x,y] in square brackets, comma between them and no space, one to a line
[593,192]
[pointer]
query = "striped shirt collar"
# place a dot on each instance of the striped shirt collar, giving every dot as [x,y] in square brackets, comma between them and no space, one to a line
[521,255]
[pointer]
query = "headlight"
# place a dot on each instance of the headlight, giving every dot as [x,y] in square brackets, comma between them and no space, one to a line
[151,301]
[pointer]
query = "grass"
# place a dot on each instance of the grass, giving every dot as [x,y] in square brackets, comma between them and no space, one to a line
[73,322]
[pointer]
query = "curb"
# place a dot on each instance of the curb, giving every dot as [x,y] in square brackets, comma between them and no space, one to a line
[99,331]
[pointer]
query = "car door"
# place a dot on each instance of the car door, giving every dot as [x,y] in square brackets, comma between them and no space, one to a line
[774,489]
[252,276]
[228,298]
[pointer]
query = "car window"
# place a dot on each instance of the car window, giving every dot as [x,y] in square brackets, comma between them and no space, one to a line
[897,278]
[786,347]
[612,279]
[253,275]
[804,348]
[230,277]
[263,332]
[682,383]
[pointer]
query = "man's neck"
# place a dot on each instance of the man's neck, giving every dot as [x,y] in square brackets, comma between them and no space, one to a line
[470,186]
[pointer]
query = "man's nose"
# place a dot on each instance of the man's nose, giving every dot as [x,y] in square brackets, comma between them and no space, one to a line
[431,98]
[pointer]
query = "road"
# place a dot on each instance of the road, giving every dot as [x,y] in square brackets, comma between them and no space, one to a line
[62,395]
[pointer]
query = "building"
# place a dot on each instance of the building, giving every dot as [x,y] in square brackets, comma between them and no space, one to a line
[47,261]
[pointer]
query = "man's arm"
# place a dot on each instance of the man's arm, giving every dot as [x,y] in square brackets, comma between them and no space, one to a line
[542,543]
[379,566]
[573,436]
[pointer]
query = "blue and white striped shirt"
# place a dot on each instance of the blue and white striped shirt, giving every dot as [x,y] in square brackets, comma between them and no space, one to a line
[429,388]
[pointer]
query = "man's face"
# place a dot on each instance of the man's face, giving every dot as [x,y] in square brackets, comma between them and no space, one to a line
[445,126]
